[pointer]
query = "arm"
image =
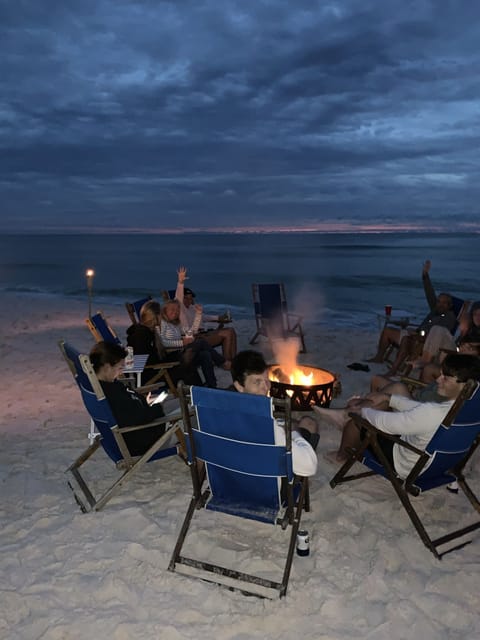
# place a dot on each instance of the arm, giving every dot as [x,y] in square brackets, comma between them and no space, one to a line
[414,419]
[304,458]
[181,277]
[128,407]
[428,287]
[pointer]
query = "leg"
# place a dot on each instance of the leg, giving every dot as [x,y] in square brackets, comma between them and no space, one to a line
[350,440]
[389,336]
[404,350]
[203,359]
[226,338]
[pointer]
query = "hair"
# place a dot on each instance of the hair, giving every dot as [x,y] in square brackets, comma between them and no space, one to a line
[149,314]
[106,353]
[163,314]
[245,363]
[473,339]
[462,366]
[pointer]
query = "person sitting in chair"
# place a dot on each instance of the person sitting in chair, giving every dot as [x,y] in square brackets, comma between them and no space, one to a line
[129,408]
[142,338]
[441,315]
[249,373]
[191,350]
[226,337]
[414,421]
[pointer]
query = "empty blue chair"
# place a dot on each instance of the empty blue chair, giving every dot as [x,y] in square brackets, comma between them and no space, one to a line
[272,317]
[442,462]
[232,452]
[110,435]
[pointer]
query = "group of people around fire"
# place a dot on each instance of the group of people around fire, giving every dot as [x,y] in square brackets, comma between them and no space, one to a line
[175,332]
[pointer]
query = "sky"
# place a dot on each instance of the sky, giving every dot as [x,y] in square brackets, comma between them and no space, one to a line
[143,115]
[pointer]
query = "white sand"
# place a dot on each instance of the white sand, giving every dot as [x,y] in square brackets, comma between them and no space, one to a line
[68,575]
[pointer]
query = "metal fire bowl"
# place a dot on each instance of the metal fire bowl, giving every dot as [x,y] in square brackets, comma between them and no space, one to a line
[303,397]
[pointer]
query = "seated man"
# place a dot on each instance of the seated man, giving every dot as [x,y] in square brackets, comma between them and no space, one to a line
[225,337]
[441,314]
[249,373]
[414,421]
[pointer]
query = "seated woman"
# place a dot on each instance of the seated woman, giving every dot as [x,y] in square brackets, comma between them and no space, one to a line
[470,321]
[226,337]
[128,407]
[189,349]
[143,339]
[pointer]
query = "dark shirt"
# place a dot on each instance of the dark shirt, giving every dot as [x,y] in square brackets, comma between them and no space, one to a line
[129,409]
[447,320]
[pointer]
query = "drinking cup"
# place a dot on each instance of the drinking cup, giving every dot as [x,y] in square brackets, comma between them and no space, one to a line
[388,309]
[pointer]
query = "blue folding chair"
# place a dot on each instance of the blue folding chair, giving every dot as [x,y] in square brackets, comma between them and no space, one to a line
[133,308]
[442,462]
[110,435]
[101,329]
[272,316]
[242,468]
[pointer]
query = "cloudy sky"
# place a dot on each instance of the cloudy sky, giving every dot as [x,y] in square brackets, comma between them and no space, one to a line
[192,114]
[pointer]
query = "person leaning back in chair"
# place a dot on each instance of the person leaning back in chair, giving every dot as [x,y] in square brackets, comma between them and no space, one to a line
[414,421]
[441,315]
[249,373]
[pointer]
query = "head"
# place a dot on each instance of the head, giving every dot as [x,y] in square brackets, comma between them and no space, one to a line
[475,314]
[150,314]
[469,344]
[171,311]
[108,360]
[250,373]
[188,297]
[444,303]
[457,370]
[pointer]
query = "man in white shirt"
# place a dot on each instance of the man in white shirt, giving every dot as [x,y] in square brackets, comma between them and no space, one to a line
[250,375]
[415,422]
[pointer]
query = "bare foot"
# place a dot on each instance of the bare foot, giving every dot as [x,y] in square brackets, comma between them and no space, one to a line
[337,417]
[227,365]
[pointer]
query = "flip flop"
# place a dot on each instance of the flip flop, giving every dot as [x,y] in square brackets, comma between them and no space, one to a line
[358,366]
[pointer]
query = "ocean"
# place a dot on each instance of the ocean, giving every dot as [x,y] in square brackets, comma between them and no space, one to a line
[334,279]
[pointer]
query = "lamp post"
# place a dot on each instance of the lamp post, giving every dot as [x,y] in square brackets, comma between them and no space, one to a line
[90,273]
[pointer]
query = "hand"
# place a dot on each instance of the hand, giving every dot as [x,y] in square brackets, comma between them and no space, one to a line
[187,340]
[426,267]
[182,274]
[149,398]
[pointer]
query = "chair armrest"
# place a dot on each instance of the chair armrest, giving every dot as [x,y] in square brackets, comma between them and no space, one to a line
[413,382]
[155,423]
[163,365]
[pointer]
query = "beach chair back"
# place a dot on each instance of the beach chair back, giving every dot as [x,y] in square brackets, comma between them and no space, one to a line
[133,309]
[234,438]
[272,317]
[101,329]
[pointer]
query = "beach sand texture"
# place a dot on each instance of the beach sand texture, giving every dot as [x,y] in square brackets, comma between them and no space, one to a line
[72,576]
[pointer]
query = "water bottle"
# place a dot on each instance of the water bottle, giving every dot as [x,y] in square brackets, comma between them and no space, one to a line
[129,360]
[303,543]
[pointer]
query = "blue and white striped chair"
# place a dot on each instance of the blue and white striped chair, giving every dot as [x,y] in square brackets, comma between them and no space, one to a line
[237,469]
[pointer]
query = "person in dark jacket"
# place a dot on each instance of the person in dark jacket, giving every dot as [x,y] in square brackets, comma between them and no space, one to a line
[129,408]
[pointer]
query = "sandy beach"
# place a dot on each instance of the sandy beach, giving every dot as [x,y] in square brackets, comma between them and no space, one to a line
[73,576]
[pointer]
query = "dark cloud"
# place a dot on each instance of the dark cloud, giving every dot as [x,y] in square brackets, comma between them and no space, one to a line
[206,113]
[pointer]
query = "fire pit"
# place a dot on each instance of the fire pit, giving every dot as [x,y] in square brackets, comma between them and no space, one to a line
[304,385]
